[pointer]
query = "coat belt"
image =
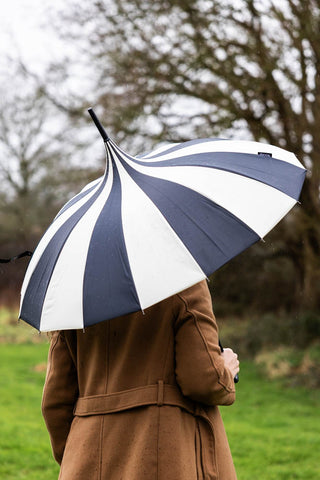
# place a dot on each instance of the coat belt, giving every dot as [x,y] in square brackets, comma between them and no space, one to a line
[157,394]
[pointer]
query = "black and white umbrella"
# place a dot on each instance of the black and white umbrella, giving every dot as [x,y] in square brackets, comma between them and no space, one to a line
[155,225]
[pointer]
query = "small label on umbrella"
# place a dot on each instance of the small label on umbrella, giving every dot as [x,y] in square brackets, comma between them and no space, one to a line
[265,154]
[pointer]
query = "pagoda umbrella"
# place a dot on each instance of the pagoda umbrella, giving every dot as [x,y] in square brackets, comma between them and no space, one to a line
[154,225]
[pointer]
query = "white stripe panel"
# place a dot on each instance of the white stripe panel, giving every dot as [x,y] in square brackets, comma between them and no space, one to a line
[53,228]
[160,263]
[158,150]
[63,304]
[237,146]
[258,205]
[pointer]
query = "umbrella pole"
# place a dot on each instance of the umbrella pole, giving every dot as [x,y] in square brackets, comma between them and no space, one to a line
[102,131]
[236,378]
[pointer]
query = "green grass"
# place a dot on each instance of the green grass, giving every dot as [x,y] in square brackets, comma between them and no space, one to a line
[274,432]
[24,444]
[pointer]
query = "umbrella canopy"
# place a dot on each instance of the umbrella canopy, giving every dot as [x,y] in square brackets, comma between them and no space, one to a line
[154,225]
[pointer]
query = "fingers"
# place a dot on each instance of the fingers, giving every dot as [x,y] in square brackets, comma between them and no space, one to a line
[231,360]
[237,366]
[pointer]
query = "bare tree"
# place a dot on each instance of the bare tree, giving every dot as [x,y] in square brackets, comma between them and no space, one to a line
[37,168]
[179,69]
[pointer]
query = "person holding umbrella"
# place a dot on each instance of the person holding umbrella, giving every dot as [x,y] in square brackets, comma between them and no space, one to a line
[135,372]
[136,397]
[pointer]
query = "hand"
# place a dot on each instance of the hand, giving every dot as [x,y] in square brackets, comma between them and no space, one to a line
[231,361]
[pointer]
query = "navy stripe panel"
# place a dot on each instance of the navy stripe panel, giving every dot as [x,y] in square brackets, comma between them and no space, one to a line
[212,234]
[108,289]
[276,173]
[31,310]
[175,148]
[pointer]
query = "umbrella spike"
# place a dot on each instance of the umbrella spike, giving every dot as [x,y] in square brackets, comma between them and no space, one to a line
[102,131]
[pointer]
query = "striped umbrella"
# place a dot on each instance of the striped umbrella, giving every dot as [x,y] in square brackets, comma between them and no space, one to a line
[154,225]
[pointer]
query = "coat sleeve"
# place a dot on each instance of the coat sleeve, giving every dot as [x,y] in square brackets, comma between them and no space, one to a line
[59,394]
[200,370]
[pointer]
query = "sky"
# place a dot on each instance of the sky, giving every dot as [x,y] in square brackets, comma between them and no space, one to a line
[23,32]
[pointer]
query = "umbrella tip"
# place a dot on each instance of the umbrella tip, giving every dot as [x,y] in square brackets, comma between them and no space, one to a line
[102,131]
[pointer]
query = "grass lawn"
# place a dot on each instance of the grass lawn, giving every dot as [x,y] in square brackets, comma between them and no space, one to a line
[24,444]
[274,432]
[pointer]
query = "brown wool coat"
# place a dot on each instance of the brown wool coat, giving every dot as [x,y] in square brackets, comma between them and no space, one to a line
[135,398]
